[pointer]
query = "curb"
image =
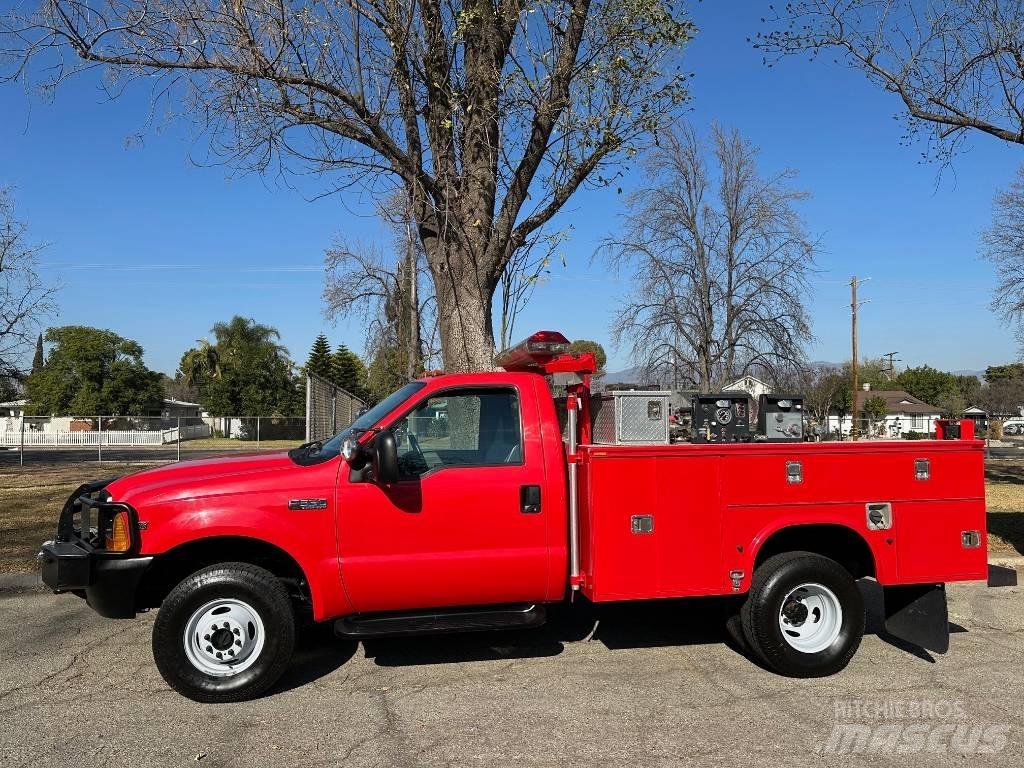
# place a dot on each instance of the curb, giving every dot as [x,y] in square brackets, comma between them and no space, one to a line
[21,582]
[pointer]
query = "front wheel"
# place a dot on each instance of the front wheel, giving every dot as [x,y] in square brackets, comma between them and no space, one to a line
[804,615]
[225,633]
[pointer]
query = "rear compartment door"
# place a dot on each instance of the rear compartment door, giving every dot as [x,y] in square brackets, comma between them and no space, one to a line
[935,540]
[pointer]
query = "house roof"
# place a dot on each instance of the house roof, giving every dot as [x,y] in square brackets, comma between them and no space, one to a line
[735,385]
[897,401]
[14,404]
[172,401]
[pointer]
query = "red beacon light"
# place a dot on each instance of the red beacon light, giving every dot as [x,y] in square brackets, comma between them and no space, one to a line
[545,352]
[533,351]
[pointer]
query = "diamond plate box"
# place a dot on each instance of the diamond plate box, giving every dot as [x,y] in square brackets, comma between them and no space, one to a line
[631,417]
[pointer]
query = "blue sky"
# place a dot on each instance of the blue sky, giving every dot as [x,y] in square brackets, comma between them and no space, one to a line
[149,244]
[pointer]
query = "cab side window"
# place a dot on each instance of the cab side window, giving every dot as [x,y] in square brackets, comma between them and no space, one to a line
[460,428]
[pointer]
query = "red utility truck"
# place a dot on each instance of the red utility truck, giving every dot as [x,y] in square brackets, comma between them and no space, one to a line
[472,501]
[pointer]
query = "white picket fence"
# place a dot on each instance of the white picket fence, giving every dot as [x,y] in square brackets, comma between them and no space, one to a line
[123,437]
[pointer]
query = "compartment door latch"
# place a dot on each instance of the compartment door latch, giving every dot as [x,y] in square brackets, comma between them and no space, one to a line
[642,523]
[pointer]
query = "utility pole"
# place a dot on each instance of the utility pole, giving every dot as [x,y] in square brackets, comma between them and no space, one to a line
[854,306]
[890,369]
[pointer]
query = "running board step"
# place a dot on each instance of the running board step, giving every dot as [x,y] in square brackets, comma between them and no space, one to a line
[440,620]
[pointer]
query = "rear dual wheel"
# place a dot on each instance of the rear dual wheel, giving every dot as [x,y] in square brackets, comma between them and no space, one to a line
[225,633]
[804,615]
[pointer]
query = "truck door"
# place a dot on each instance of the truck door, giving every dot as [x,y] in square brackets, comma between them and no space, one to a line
[464,525]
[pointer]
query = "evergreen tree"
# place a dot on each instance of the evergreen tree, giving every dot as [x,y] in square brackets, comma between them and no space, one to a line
[37,360]
[385,374]
[320,363]
[348,372]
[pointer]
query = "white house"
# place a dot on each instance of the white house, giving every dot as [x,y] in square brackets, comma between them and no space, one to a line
[752,385]
[903,413]
[171,409]
[13,408]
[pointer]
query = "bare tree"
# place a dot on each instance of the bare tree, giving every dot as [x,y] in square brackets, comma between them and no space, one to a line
[24,298]
[721,264]
[828,392]
[390,293]
[956,65]
[525,270]
[489,113]
[1003,245]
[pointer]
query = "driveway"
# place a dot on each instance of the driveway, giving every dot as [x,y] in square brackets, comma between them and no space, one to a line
[654,684]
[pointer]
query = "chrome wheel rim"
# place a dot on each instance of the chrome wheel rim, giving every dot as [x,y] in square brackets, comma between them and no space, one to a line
[224,637]
[810,618]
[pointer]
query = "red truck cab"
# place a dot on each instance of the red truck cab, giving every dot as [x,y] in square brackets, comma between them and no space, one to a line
[468,501]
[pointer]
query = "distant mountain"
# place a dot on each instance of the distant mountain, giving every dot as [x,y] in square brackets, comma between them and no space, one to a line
[626,376]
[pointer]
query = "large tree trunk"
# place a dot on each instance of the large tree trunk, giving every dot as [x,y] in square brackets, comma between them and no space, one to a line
[464,319]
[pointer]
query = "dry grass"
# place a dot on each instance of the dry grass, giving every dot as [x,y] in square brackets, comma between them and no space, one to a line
[230,444]
[1004,492]
[30,501]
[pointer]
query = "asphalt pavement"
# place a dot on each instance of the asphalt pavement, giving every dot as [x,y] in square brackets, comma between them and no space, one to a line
[657,684]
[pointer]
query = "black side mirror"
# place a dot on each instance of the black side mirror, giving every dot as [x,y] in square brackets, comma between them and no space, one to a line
[385,458]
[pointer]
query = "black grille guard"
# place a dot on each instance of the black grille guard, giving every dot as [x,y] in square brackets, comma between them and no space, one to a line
[90,507]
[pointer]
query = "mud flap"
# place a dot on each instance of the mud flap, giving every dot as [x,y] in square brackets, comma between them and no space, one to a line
[917,614]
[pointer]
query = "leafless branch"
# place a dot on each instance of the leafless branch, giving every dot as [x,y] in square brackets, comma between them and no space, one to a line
[720,260]
[25,299]
[957,66]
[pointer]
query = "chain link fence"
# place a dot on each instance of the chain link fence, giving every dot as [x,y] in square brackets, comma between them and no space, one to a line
[142,438]
[329,408]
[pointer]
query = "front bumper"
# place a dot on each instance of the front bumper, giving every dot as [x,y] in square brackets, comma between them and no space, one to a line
[77,562]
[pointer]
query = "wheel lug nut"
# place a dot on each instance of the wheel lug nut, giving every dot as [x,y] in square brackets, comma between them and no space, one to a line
[209,649]
[206,637]
[220,655]
[235,630]
[231,651]
[238,643]
[226,625]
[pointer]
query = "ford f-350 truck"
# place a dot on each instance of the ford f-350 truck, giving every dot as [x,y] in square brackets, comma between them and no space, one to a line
[472,501]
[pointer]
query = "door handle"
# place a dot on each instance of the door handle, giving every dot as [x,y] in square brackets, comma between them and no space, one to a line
[529,499]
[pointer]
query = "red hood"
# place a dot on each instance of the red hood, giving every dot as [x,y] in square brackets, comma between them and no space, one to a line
[203,477]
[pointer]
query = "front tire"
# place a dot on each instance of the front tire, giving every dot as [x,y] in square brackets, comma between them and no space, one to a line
[225,633]
[804,615]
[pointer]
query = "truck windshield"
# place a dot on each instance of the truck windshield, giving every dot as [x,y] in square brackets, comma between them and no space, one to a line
[328,449]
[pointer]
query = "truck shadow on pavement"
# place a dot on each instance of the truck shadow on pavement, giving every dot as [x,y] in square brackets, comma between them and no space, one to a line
[619,626]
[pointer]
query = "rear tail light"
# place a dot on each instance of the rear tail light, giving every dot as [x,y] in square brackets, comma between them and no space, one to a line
[118,536]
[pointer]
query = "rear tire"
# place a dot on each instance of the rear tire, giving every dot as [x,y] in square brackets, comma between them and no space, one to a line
[225,633]
[804,615]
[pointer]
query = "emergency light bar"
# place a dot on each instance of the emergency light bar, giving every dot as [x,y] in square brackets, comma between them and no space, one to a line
[533,352]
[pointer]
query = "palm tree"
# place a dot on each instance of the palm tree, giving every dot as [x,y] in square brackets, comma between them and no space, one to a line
[202,362]
[241,333]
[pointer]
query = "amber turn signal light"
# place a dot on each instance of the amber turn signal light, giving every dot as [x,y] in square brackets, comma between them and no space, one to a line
[119,539]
